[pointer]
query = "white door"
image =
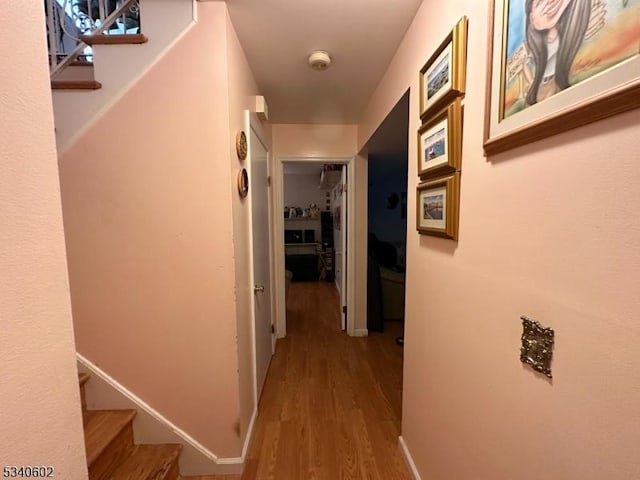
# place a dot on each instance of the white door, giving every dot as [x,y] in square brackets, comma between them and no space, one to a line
[259,192]
[345,250]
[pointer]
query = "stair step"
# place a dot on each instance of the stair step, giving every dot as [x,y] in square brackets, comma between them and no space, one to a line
[108,438]
[75,85]
[114,39]
[150,462]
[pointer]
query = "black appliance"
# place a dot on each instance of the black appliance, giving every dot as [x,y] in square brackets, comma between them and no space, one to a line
[309,236]
[293,236]
[326,229]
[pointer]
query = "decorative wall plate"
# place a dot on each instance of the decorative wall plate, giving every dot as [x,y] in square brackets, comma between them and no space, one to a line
[537,346]
[241,145]
[243,183]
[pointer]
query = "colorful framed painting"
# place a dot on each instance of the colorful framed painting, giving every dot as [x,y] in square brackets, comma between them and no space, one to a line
[554,65]
[444,75]
[440,142]
[437,208]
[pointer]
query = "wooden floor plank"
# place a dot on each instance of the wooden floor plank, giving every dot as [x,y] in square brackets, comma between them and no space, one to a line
[331,405]
[150,462]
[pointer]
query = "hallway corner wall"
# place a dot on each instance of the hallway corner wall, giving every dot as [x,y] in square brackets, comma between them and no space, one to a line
[149,226]
[41,411]
[547,230]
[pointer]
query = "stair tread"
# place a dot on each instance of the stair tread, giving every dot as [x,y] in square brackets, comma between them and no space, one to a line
[75,85]
[83,377]
[101,427]
[148,462]
[121,39]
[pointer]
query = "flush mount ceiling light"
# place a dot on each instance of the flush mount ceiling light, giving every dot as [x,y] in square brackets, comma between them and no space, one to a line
[319,60]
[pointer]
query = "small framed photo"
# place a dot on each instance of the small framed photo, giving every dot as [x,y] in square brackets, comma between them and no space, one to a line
[440,142]
[438,207]
[443,77]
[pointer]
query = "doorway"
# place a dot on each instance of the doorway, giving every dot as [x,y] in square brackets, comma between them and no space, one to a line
[313,235]
[387,221]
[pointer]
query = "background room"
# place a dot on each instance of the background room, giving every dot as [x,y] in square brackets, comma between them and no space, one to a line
[312,224]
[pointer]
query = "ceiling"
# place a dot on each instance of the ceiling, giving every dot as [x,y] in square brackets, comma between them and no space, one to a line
[360,35]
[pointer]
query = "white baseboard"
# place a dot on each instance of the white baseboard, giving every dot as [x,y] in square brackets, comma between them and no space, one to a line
[408,459]
[361,332]
[151,427]
[249,437]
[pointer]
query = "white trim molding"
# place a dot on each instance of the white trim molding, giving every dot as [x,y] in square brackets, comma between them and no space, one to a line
[150,426]
[361,332]
[408,459]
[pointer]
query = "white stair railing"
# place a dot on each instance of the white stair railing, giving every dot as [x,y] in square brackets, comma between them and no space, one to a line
[69,20]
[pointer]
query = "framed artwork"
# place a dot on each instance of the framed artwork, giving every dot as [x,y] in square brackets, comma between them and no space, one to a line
[438,206]
[243,183]
[554,65]
[440,142]
[443,77]
[241,145]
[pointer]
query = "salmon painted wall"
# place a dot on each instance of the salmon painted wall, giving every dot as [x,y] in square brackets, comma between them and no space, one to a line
[39,396]
[549,230]
[242,89]
[305,140]
[149,227]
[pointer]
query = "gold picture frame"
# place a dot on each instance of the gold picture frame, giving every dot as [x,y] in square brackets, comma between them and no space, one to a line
[440,142]
[443,77]
[438,206]
[599,79]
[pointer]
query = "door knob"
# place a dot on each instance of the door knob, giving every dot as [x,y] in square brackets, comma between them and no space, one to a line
[258,289]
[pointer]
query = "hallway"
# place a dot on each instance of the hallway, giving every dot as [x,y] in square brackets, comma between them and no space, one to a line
[331,405]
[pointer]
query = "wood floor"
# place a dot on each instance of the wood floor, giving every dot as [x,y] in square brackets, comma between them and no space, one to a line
[331,404]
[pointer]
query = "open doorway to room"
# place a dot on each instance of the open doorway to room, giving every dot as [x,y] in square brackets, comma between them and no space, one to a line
[313,230]
[314,227]
[387,223]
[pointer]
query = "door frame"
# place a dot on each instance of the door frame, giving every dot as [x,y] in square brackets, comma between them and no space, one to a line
[278,237]
[253,122]
[344,226]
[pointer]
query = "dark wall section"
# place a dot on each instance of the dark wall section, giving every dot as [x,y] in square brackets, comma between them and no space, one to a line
[388,202]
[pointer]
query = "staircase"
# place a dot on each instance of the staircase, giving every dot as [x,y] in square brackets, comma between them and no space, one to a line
[112,454]
[88,80]
[75,26]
